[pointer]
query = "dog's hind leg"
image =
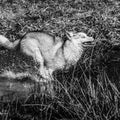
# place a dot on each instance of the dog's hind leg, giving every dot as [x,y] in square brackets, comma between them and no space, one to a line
[46,74]
[39,58]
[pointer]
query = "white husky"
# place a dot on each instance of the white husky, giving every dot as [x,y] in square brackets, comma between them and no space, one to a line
[51,53]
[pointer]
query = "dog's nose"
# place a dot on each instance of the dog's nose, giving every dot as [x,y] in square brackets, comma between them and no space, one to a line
[91,38]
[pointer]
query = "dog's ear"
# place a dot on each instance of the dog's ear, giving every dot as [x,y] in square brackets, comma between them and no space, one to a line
[69,35]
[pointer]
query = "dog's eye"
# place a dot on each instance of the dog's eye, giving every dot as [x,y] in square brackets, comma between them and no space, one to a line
[82,36]
[74,35]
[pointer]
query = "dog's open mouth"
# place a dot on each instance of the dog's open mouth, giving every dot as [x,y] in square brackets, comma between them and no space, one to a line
[89,43]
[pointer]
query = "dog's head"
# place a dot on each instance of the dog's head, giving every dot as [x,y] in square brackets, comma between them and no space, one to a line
[80,38]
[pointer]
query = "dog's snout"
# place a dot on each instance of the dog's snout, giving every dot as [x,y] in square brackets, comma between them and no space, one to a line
[91,38]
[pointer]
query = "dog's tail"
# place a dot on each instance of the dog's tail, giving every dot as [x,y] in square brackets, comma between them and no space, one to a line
[6,43]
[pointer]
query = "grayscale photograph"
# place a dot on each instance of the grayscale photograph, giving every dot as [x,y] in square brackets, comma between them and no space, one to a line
[59,59]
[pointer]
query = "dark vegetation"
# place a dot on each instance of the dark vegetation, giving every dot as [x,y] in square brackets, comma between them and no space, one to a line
[90,90]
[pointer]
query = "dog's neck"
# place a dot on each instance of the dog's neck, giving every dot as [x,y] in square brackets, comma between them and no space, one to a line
[72,52]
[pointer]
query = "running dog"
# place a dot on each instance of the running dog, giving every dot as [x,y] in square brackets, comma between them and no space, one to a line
[50,52]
